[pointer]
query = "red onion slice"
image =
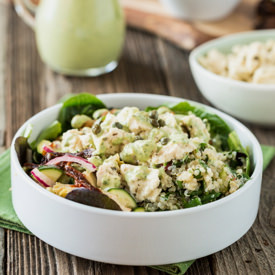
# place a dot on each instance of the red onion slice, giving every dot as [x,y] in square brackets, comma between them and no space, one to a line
[41,178]
[68,158]
[48,149]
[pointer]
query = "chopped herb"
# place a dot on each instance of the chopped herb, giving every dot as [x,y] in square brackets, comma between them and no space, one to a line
[209,197]
[179,183]
[197,174]
[193,202]
[177,163]
[203,164]
[202,146]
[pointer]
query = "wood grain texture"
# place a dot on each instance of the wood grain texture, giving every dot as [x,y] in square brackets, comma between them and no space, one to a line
[242,18]
[3,43]
[148,65]
[180,33]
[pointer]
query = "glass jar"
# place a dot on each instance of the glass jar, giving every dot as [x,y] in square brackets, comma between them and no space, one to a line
[80,37]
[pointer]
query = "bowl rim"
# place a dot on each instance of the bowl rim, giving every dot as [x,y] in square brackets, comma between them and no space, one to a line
[136,215]
[214,43]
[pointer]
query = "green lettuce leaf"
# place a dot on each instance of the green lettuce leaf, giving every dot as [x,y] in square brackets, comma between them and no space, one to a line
[49,133]
[83,103]
[234,144]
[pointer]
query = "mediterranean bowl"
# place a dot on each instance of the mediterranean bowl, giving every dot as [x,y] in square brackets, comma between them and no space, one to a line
[144,238]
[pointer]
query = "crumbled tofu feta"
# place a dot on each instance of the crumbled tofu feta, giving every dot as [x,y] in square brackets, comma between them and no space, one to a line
[264,75]
[138,152]
[189,182]
[195,126]
[254,62]
[137,121]
[76,140]
[172,151]
[108,173]
[109,141]
[143,182]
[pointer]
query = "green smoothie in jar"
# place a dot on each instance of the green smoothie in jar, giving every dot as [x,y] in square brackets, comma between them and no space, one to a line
[80,37]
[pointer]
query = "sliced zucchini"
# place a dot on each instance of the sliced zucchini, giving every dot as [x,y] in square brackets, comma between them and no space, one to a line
[52,172]
[64,179]
[41,144]
[123,197]
[139,209]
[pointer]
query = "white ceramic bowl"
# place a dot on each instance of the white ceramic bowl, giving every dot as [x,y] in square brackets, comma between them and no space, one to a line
[136,238]
[200,9]
[248,101]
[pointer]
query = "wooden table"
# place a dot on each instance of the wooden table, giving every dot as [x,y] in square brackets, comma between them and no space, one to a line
[148,65]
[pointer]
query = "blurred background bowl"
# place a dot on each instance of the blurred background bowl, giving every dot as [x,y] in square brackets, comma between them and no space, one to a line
[200,9]
[247,101]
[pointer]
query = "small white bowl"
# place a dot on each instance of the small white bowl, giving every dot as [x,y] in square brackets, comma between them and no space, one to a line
[248,101]
[132,238]
[200,9]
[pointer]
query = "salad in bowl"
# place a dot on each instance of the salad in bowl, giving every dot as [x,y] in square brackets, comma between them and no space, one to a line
[170,157]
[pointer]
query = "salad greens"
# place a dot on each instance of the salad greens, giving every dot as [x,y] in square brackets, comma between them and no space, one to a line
[235,145]
[49,133]
[79,104]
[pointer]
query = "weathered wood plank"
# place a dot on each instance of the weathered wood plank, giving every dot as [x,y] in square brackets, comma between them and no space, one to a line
[21,71]
[3,43]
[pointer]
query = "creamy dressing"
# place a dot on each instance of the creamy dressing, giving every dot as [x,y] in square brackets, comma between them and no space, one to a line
[79,34]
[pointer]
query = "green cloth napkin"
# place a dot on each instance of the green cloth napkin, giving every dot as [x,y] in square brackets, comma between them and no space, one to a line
[268,155]
[9,219]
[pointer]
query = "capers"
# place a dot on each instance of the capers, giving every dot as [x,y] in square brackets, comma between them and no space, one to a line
[157,122]
[118,125]
[153,114]
[96,129]
[154,122]
[99,113]
[161,122]
[78,121]
[164,140]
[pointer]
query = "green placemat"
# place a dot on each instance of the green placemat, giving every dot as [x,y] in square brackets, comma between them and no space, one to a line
[9,219]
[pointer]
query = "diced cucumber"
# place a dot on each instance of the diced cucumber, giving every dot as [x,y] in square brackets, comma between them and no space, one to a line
[123,197]
[52,172]
[41,144]
[139,209]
